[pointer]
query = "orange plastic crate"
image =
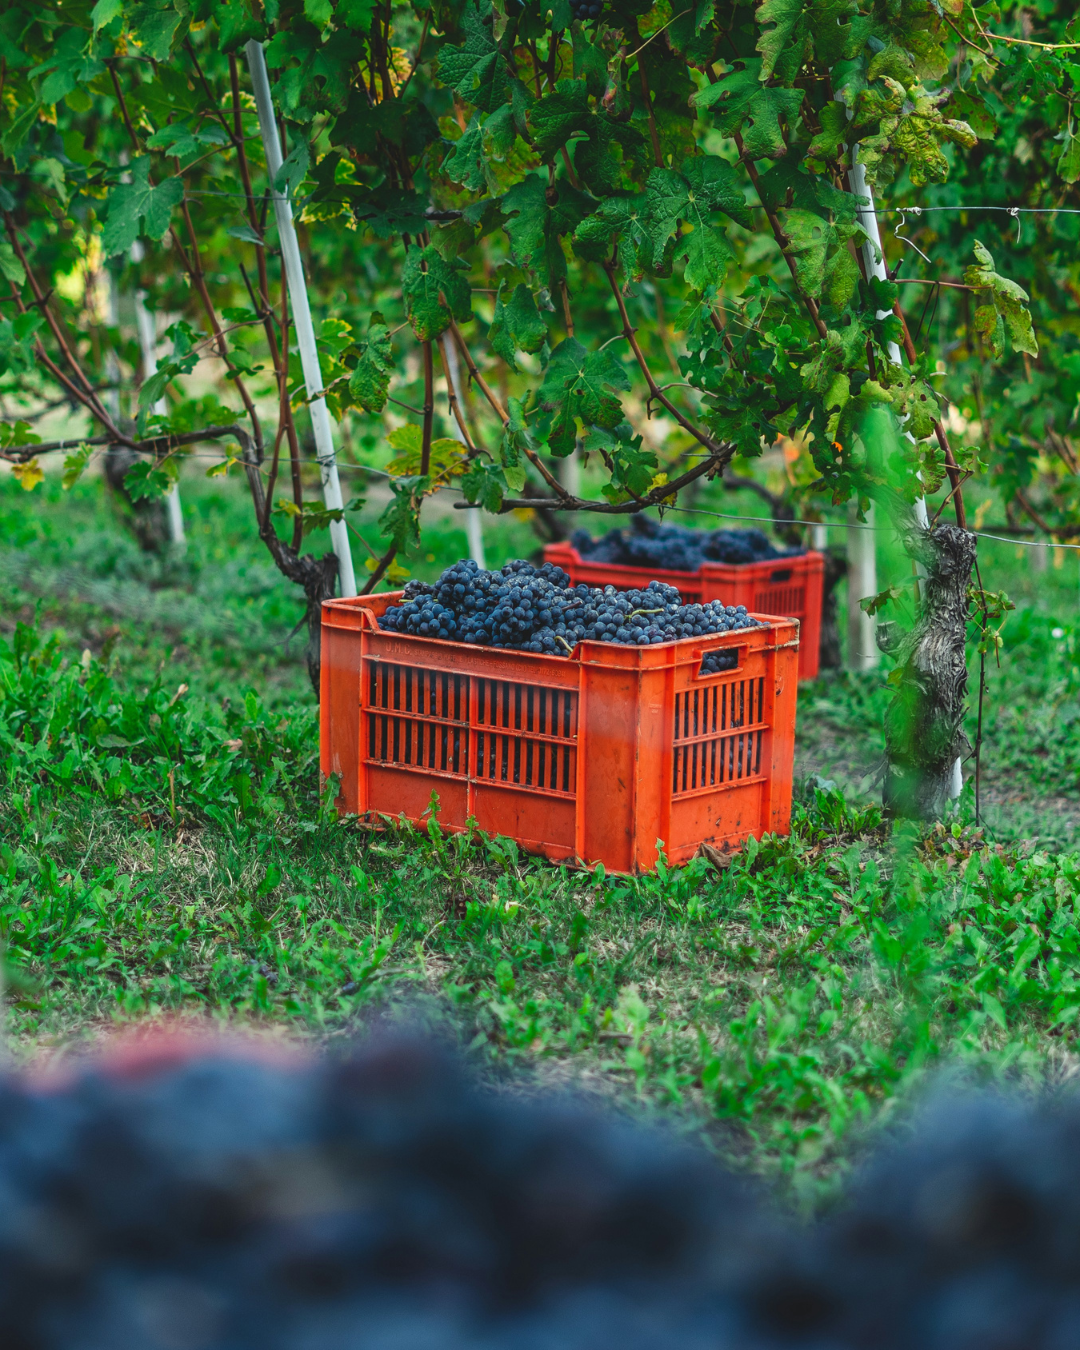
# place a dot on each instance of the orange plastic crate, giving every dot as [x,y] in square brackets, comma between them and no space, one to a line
[789,586]
[591,758]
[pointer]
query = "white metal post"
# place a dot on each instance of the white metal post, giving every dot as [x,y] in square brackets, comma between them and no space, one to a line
[147,330]
[474,526]
[301,314]
[112,362]
[875,266]
[861,584]
[569,471]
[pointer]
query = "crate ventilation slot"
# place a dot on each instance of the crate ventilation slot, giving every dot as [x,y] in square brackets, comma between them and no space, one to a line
[491,731]
[719,735]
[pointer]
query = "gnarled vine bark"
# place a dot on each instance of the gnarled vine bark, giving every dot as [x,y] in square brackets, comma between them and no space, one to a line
[924,724]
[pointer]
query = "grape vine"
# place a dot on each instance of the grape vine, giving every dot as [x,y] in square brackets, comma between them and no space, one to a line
[630,227]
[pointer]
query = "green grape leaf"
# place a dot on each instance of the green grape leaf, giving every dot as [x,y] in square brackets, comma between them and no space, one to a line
[967,107]
[293,170]
[318,12]
[714,186]
[689,32]
[785,185]
[369,382]
[147,481]
[590,63]
[137,208]
[69,64]
[915,404]
[1009,307]
[154,27]
[809,237]
[500,133]
[465,161]
[536,219]
[841,276]
[400,522]
[516,326]
[614,216]
[557,116]
[387,212]
[577,384]
[515,438]
[707,253]
[75,463]
[17,353]
[10,265]
[991,328]
[312,515]
[703,186]
[633,470]
[356,14]
[476,70]
[104,12]
[791,27]
[895,63]
[598,166]
[435,291]
[917,139]
[315,75]
[485,485]
[404,122]
[742,427]
[839,31]
[877,102]
[180,140]
[741,103]
[237,23]
[183,361]
[833,133]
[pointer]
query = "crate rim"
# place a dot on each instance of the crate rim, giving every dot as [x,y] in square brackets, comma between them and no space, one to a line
[707,568]
[585,652]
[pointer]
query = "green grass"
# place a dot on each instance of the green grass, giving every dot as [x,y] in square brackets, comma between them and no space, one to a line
[167,852]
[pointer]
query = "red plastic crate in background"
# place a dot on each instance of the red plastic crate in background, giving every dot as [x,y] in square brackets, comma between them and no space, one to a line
[590,758]
[789,586]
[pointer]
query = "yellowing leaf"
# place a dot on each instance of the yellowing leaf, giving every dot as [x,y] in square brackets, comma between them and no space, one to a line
[29,474]
[447,459]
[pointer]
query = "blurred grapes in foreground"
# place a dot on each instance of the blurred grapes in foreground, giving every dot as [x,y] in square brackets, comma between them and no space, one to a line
[206,1195]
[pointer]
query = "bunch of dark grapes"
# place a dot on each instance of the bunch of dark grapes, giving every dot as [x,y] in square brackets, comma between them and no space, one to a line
[673,548]
[535,609]
[584,10]
[378,1202]
[194,1197]
[964,1237]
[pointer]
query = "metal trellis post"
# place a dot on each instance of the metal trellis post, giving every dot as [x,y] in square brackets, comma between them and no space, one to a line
[301,312]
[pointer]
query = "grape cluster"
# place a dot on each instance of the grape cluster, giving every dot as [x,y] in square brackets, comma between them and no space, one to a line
[673,548]
[535,609]
[201,1197]
[376,1202]
[965,1237]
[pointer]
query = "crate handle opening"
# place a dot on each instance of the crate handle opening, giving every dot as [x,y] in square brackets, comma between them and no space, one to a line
[784,574]
[719,661]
